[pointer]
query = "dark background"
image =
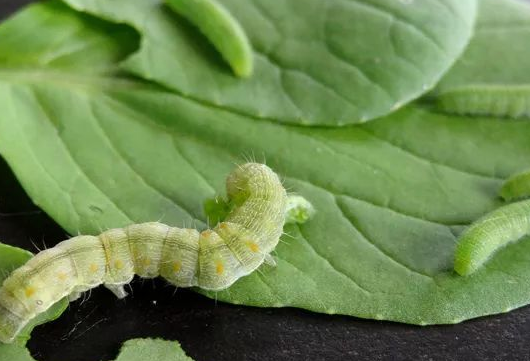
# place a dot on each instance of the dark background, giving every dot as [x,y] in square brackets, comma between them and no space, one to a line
[94,330]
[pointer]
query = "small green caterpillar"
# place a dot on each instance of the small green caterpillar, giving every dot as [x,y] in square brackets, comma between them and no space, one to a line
[509,101]
[490,233]
[516,187]
[213,259]
[221,28]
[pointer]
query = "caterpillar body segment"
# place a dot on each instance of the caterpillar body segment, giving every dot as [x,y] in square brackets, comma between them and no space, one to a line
[213,259]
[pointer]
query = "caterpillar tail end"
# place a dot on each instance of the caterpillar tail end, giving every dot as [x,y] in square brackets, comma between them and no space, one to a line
[244,69]
[465,262]
[463,270]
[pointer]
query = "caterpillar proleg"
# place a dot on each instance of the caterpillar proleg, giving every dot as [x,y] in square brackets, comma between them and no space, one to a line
[221,29]
[212,259]
[490,233]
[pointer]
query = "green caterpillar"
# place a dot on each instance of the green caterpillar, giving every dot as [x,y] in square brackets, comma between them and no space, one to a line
[509,101]
[490,233]
[213,259]
[221,28]
[516,187]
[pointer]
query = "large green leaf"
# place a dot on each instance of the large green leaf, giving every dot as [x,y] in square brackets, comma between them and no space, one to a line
[391,195]
[327,62]
[499,50]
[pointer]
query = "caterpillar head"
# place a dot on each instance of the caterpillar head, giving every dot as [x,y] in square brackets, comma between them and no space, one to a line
[10,322]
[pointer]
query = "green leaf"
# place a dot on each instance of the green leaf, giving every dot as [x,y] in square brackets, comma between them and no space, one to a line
[391,195]
[498,51]
[152,349]
[331,62]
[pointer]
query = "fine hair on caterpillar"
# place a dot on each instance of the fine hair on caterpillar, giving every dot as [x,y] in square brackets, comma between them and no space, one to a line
[212,259]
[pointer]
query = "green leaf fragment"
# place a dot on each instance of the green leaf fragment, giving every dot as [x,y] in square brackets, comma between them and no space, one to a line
[152,349]
[131,350]
[221,28]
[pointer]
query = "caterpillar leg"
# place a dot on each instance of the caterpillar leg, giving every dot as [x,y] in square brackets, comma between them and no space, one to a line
[269,260]
[118,290]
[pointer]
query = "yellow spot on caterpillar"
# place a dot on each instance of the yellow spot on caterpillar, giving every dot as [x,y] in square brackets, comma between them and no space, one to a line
[223,225]
[146,262]
[29,291]
[62,276]
[93,268]
[253,246]
[118,264]
[176,266]
[219,267]
[206,234]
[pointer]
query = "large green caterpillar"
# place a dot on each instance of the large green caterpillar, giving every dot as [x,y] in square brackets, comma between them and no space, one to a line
[490,233]
[509,101]
[221,28]
[496,229]
[212,259]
